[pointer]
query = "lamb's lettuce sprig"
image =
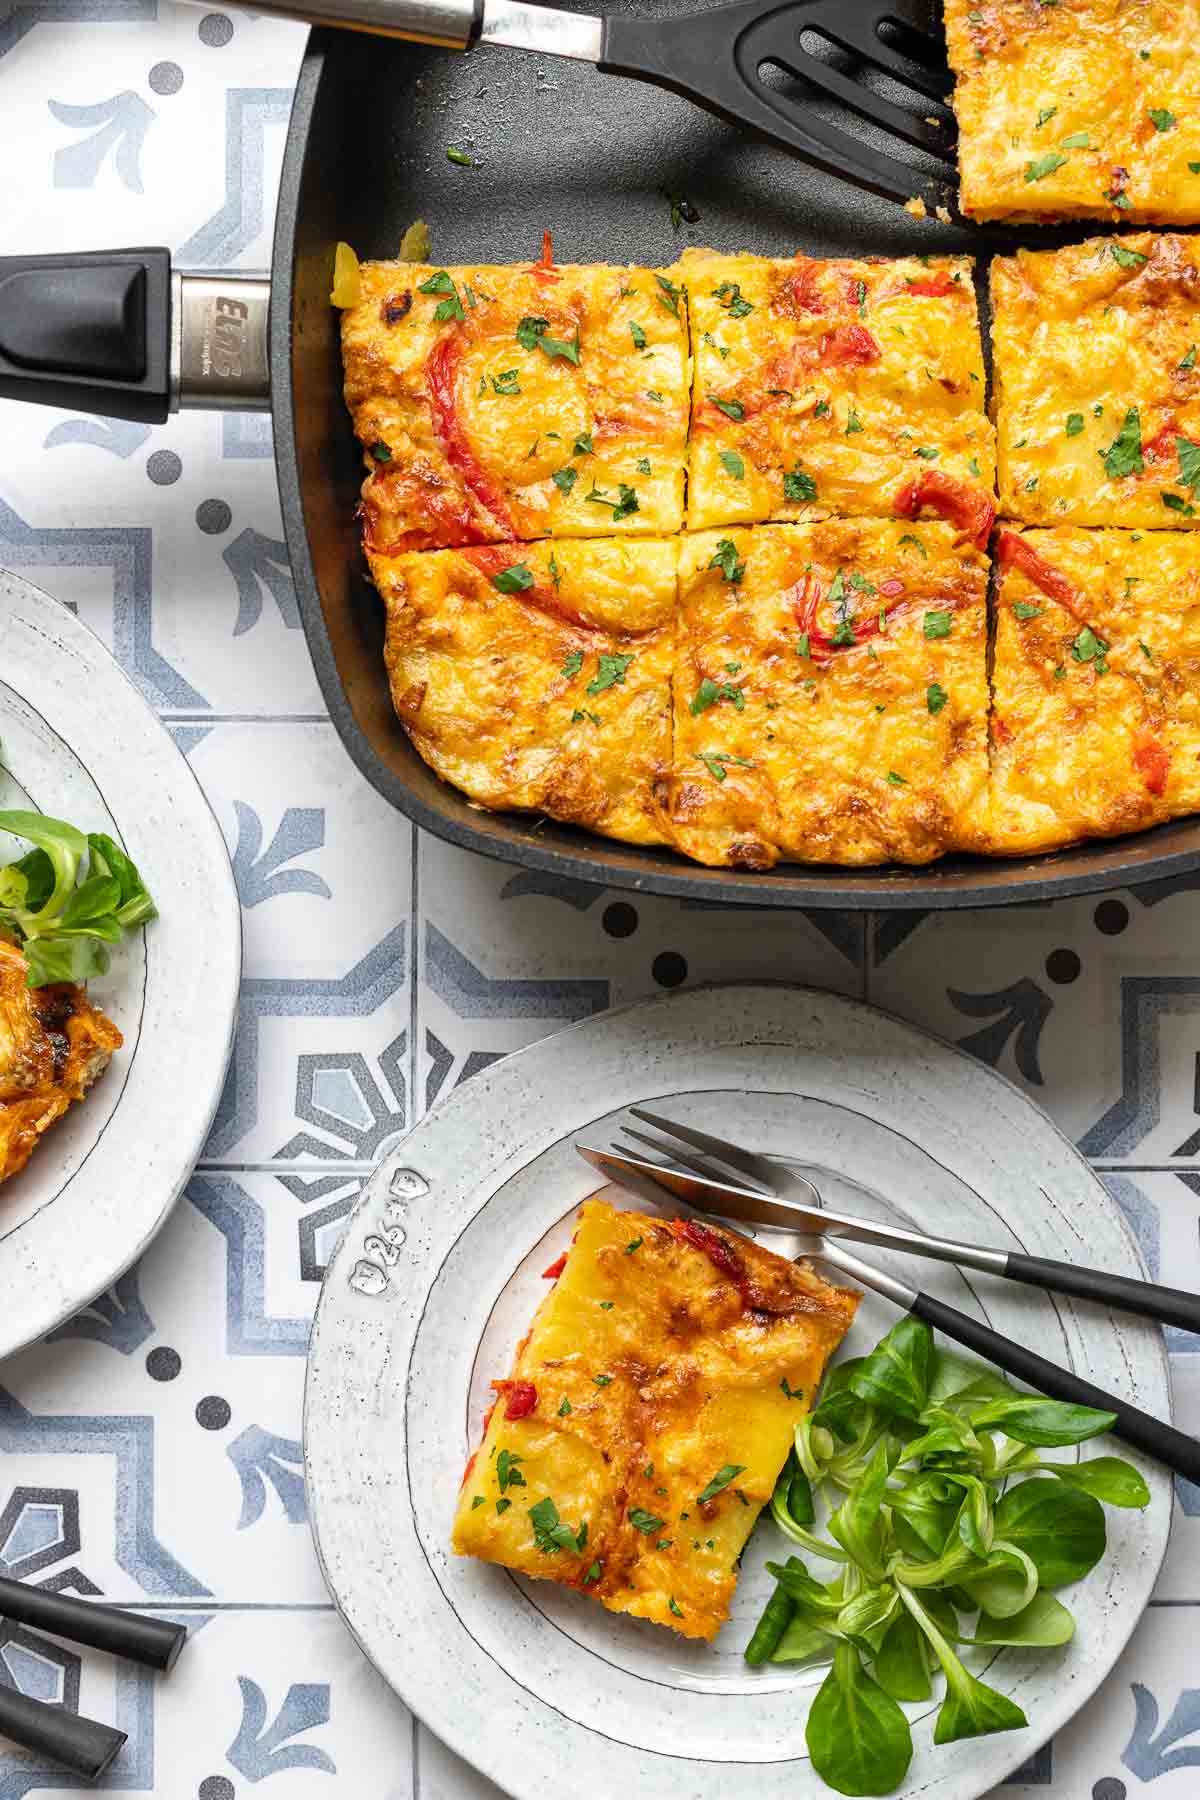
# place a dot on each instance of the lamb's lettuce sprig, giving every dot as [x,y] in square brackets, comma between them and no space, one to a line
[68,898]
[940,1509]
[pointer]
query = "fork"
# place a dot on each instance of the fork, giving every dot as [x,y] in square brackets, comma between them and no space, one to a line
[797,74]
[699,1181]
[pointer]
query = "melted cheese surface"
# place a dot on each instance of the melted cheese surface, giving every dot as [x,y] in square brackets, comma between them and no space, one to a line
[651,1369]
[1087,741]
[832,740]
[1093,344]
[1083,108]
[827,386]
[476,432]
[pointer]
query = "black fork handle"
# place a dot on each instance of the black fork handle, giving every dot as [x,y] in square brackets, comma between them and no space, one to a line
[1173,1448]
[83,1745]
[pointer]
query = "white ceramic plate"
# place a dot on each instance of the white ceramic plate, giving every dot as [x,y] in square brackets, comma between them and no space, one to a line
[78,741]
[439,1273]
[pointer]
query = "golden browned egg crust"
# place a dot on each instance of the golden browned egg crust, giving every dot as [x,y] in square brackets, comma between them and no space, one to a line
[1096,722]
[804,674]
[1096,385]
[515,402]
[53,1045]
[652,1404]
[831,386]
[830,694]
[1077,108]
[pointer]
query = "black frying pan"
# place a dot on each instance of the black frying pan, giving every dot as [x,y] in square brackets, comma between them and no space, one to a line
[595,159]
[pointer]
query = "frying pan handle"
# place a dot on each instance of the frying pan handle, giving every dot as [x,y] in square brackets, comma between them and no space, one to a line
[116,332]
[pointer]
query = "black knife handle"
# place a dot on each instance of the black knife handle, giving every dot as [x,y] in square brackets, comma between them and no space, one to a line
[83,1745]
[154,1642]
[88,332]
[1167,1306]
[1178,1451]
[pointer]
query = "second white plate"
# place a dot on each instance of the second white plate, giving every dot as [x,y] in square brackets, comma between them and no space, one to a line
[440,1271]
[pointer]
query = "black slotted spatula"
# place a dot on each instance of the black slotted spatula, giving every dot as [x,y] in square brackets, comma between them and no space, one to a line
[804,74]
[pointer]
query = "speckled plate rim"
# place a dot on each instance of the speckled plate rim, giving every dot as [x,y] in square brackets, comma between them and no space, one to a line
[423,1198]
[132,1149]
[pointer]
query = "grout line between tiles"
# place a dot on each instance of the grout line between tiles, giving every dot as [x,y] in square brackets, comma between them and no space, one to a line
[416,1107]
[216,718]
[284,1166]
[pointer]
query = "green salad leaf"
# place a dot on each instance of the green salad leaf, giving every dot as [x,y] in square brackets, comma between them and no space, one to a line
[69,897]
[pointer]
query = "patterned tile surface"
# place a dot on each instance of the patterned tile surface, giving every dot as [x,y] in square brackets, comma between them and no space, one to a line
[381,970]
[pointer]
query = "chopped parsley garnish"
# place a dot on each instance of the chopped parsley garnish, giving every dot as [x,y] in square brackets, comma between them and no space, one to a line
[439,283]
[799,486]
[1078,140]
[1146,651]
[804,647]
[532,450]
[1023,610]
[709,693]
[668,294]
[853,423]
[1189,463]
[929,455]
[1124,455]
[1031,484]
[938,624]
[565,1408]
[561,347]
[602,1380]
[643,465]
[910,538]
[638,335]
[502,1506]
[611,671]
[821,409]
[478,1501]
[573,664]
[1194,167]
[381,452]
[860,289]
[677,1610]
[726,559]
[593,1574]
[513,580]
[935,697]
[730,295]
[791,1392]
[733,409]
[643,1521]
[1161,118]
[1074,424]
[1044,117]
[715,761]
[1174,503]
[507,382]
[577,717]
[657,398]
[648,1471]
[459,156]
[973,467]
[1189,361]
[606,1306]
[551,1534]
[530,331]
[1088,647]
[626,503]
[555,572]
[449,309]
[733,465]
[631,1246]
[664,1543]
[583,445]
[1041,166]
[895,780]
[1128,259]
[720,1480]
[507,1473]
[565,479]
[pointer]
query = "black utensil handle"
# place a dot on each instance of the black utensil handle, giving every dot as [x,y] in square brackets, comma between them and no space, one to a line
[1167,1306]
[83,1745]
[154,1642]
[1178,1451]
[90,332]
